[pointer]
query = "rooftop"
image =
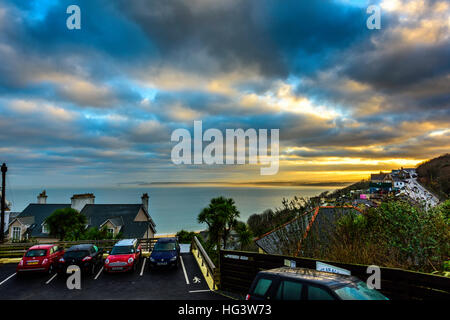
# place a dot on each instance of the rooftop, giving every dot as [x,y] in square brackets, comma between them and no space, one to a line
[320,277]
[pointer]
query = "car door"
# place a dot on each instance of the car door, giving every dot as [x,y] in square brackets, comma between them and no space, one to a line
[138,252]
[264,287]
[53,254]
[95,254]
[289,289]
[318,293]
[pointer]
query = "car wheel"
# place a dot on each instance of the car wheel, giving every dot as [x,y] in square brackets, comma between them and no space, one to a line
[50,269]
[93,269]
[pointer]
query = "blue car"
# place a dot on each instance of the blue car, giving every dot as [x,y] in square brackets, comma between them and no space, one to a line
[165,253]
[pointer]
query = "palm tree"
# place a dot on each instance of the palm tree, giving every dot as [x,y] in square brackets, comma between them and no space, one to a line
[220,216]
[244,233]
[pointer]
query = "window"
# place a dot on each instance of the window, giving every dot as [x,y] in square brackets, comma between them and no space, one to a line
[359,292]
[44,228]
[289,290]
[116,250]
[262,286]
[36,253]
[110,231]
[316,293]
[16,233]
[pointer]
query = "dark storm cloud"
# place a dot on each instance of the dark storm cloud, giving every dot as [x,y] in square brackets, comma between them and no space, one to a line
[276,37]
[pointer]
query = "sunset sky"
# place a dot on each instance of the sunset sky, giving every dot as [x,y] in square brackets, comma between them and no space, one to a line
[97,106]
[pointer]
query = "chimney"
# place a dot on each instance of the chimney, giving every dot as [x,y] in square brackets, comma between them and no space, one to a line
[42,197]
[80,200]
[145,201]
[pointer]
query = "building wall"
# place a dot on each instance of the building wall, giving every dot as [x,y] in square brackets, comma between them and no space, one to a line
[149,234]
[141,216]
[11,227]
[109,225]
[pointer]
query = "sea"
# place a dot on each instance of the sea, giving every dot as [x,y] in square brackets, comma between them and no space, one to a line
[173,208]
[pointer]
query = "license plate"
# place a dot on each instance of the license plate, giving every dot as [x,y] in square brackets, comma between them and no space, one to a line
[117,268]
[32,262]
[162,263]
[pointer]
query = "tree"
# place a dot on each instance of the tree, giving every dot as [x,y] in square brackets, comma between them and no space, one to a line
[244,233]
[220,216]
[185,236]
[65,221]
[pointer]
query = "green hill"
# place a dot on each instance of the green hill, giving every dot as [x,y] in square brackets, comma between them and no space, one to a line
[435,175]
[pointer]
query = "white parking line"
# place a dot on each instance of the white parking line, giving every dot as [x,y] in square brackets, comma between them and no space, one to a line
[142,269]
[7,278]
[184,270]
[194,291]
[49,280]
[98,274]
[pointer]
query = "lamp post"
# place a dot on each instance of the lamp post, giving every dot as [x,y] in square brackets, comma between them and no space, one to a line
[3,205]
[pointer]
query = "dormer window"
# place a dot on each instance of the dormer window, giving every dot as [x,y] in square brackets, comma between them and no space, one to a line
[45,228]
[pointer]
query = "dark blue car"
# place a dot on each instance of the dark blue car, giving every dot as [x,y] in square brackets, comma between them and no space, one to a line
[165,253]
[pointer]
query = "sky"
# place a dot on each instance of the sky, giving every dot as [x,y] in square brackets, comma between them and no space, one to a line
[97,106]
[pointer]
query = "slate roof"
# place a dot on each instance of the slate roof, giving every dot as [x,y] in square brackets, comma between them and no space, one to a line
[286,238]
[122,214]
[379,176]
[96,214]
[35,214]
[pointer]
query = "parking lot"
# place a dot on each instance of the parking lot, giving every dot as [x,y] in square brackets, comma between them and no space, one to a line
[184,283]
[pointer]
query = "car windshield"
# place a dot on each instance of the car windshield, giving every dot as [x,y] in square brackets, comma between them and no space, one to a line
[36,253]
[360,292]
[165,246]
[122,250]
[76,254]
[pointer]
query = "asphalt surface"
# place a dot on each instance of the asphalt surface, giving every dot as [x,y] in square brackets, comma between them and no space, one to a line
[157,284]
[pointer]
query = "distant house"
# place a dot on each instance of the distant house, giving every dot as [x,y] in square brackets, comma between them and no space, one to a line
[131,220]
[380,183]
[398,183]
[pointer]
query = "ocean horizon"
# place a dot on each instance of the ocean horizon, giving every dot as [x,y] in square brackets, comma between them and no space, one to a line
[173,208]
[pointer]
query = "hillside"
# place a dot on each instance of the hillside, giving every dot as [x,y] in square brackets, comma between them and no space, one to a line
[435,175]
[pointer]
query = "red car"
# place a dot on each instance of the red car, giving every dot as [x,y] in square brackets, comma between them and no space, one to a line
[41,258]
[124,256]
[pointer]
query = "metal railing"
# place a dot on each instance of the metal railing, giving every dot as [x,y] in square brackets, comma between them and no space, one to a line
[202,255]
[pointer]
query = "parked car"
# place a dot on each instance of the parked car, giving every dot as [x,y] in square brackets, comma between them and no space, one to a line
[41,258]
[86,256]
[166,252]
[124,256]
[307,284]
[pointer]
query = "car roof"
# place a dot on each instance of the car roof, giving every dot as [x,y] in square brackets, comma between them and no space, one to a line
[41,246]
[168,239]
[126,242]
[313,276]
[80,247]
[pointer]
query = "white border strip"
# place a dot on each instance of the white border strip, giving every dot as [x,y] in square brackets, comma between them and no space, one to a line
[184,270]
[7,278]
[143,266]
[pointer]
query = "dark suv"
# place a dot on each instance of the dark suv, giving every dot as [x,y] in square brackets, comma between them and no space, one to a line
[166,252]
[308,284]
[87,256]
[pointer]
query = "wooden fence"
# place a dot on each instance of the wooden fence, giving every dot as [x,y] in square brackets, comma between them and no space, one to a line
[239,268]
[17,249]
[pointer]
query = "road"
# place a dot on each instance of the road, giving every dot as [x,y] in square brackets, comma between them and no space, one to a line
[162,284]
